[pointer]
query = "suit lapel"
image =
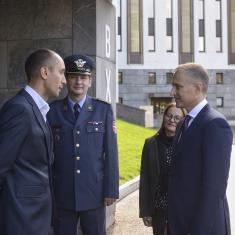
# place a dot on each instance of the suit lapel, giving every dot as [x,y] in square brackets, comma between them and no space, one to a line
[40,120]
[194,125]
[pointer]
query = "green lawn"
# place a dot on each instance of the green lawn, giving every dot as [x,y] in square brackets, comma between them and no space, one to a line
[130,143]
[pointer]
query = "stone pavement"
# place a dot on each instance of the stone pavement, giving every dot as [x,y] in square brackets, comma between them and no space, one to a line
[127,219]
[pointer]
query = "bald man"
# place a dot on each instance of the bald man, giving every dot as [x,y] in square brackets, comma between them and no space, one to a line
[26,148]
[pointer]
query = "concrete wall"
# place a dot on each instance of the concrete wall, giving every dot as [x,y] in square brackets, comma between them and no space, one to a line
[66,26]
[140,116]
[135,90]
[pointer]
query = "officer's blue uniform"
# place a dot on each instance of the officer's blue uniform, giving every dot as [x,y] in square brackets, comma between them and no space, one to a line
[86,161]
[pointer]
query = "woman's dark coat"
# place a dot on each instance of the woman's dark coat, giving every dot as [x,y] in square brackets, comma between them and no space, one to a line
[149,176]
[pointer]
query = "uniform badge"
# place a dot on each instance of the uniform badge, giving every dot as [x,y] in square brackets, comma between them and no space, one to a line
[114,127]
[89,108]
[80,63]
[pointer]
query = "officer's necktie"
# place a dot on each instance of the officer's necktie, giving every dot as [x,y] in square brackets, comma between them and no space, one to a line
[185,124]
[76,109]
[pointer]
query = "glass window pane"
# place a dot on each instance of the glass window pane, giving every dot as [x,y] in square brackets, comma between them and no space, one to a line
[119,43]
[169,43]
[219,101]
[151,26]
[152,78]
[168,9]
[201,44]
[120,78]
[217,10]
[151,43]
[201,28]
[169,78]
[219,78]
[119,25]
[135,25]
[186,26]
[200,9]
[218,28]
[218,44]
[169,26]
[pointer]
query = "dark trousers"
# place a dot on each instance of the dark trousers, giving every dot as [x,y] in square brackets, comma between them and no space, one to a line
[159,222]
[92,222]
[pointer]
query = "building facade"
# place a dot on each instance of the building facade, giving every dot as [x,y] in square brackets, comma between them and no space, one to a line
[154,36]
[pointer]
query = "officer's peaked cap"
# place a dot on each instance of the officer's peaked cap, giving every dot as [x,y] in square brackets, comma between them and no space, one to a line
[78,64]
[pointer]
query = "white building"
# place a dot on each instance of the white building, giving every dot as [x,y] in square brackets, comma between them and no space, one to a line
[154,36]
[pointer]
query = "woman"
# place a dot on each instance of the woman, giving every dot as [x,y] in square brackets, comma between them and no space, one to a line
[155,163]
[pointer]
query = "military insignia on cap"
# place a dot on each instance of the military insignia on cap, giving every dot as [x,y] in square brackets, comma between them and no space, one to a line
[80,63]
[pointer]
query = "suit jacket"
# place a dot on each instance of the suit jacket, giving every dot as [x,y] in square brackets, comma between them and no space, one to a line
[25,158]
[198,177]
[86,158]
[149,176]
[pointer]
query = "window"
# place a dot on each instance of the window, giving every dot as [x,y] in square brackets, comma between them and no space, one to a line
[120,100]
[201,23]
[152,78]
[119,26]
[218,26]
[159,104]
[219,102]
[169,26]
[169,78]
[150,5]
[219,78]
[186,46]
[120,78]
[151,26]
[231,31]
[135,42]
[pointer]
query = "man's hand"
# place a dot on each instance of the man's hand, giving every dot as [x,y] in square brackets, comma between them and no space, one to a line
[147,221]
[109,201]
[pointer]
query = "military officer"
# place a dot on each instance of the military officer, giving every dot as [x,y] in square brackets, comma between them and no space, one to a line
[86,159]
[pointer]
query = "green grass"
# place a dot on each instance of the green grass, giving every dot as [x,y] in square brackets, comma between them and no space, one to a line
[130,143]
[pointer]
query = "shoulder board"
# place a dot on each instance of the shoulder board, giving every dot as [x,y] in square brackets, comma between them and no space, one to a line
[100,100]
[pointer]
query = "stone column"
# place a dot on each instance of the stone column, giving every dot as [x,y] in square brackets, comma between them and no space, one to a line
[94,33]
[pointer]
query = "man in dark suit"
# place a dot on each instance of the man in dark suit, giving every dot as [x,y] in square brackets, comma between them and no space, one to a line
[85,148]
[200,167]
[26,148]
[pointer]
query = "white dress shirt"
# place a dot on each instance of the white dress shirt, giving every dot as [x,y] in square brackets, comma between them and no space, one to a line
[196,110]
[40,102]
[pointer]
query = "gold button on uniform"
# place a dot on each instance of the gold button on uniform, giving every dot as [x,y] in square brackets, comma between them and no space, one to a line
[77,145]
[78,171]
[78,158]
[96,129]
[78,132]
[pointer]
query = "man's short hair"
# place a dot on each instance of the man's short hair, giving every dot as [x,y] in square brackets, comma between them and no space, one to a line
[36,60]
[196,72]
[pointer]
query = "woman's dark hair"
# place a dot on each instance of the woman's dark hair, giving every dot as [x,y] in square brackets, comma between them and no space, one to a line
[170,105]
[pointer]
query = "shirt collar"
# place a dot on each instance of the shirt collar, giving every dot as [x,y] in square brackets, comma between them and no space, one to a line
[72,103]
[196,110]
[40,102]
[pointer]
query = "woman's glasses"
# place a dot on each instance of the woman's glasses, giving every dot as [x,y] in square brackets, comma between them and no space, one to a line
[176,118]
